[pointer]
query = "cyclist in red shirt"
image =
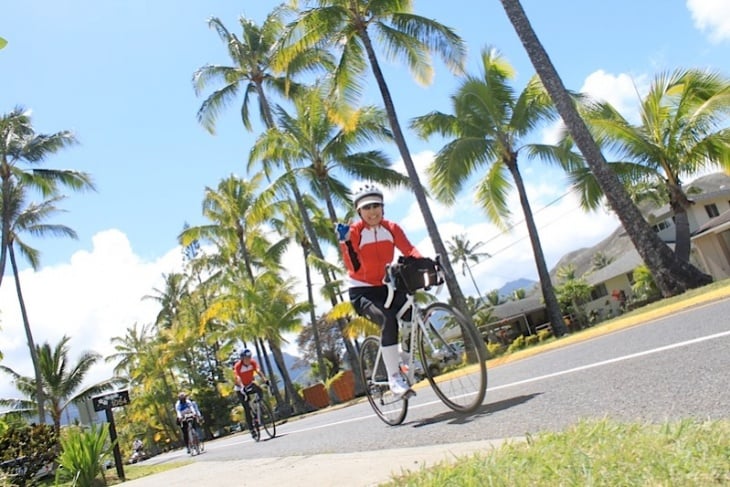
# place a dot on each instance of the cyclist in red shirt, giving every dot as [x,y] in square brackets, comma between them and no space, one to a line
[243,372]
[367,246]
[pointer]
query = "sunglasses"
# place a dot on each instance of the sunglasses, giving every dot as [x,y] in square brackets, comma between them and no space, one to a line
[372,206]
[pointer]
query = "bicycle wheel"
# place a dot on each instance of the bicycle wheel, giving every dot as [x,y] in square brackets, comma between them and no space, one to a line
[392,410]
[454,358]
[266,419]
[193,440]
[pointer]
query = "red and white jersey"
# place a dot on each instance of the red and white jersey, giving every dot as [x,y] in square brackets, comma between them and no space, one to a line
[245,372]
[373,248]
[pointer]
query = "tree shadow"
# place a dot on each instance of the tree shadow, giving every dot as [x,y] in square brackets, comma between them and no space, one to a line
[454,417]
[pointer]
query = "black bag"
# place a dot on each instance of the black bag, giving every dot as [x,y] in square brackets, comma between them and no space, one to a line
[414,273]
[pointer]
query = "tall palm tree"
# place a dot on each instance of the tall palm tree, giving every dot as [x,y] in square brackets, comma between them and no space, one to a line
[487,126]
[60,379]
[672,275]
[461,250]
[348,26]
[682,131]
[22,151]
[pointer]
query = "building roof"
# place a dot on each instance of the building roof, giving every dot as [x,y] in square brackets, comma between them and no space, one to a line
[624,264]
[719,220]
[518,307]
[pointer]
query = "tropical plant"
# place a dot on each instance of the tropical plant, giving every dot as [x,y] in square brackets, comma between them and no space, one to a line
[682,131]
[83,455]
[643,286]
[462,251]
[600,260]
[60,379]
[25,450]
[348,26]
[572,291]
[22,151]
[3,42]
[487,126]
[671,275]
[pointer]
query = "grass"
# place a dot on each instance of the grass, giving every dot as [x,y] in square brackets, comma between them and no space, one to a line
[595,453]
[131,472]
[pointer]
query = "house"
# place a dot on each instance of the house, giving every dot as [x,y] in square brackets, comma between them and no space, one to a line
[709,220]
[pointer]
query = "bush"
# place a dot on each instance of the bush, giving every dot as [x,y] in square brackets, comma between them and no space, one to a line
[26,449]
[531,340]
[543,335]
[83,457]
[517,344]
[495,349]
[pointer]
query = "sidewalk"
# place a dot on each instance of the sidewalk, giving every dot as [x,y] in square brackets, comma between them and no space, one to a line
[361,469]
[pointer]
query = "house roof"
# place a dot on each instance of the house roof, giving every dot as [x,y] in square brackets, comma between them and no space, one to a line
[704,188]
[721,219]
[518,307]
[625,263]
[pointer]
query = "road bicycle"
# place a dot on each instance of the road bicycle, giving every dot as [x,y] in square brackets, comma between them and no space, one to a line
[261,415]
[444,346]
[195,443]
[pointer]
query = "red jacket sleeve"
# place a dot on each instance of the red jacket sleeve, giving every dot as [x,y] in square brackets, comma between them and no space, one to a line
[401,241]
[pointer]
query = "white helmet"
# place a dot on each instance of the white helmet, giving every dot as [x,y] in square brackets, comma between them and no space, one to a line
[366,195]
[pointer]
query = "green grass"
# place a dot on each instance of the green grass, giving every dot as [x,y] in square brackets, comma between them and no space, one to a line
[131,472]
[595,453]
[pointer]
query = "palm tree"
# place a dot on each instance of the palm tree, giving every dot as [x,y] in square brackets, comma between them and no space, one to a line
[19,144]
[346,25]
[324,150]
[682,131]
[60,379]
[461,250]
[672,275]
[488,123]
[600,260]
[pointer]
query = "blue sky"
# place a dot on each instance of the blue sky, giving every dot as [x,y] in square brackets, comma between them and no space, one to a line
[118,73]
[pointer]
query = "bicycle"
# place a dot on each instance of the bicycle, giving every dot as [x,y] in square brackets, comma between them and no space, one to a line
[261,415]
[195,444]
[444,347]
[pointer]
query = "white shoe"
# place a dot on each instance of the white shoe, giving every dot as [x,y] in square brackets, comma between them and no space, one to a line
[398,385]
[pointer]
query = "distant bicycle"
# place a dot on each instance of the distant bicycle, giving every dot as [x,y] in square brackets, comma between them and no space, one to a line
[195,443]
[444,347]
[262,416]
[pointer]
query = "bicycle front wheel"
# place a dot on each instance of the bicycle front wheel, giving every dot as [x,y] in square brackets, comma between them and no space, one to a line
[392,410]
[266,419]
[454,358]
[193,440]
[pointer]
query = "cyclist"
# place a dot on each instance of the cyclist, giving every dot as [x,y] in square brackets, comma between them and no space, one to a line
[243,371]
[367,246]
[184,406]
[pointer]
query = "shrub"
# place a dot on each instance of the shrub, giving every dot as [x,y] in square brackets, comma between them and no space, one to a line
[495,349]
[26,449]
[517,344]
[83,456]
[543,335]
[531,340]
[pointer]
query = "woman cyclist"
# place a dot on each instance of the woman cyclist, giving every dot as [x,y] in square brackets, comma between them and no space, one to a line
[367,246]
[243,372]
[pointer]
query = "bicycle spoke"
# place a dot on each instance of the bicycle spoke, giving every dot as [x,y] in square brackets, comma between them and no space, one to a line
[390,409]
[453,357]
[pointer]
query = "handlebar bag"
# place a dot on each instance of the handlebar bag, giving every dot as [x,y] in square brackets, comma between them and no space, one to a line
[414,273]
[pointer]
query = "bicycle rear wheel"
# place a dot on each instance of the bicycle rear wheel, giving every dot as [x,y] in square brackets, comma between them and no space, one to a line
[454,358]
[266,419]
[390,409]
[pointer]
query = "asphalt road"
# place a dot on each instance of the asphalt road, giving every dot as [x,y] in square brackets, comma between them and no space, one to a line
[670,368]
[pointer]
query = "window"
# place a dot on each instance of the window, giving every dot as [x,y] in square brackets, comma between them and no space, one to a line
[711,210]
[661,226]
[599,291]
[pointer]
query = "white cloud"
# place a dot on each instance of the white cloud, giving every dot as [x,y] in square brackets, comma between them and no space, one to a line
[94,297]
[622,91]
[711,17]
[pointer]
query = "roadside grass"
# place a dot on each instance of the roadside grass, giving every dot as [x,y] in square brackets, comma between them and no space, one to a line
[131,472]
[594,453]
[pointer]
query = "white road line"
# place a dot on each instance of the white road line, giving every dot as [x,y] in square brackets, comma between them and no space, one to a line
[613,360]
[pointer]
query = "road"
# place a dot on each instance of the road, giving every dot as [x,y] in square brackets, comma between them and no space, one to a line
[670,368]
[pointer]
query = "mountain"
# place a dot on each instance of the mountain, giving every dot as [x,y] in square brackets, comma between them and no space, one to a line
[521,283]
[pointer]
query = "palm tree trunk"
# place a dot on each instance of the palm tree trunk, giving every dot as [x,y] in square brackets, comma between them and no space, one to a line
[671,275]
[473,281]
[291,395]
[313,317]
[40,396]
[548,293]
[456,295]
